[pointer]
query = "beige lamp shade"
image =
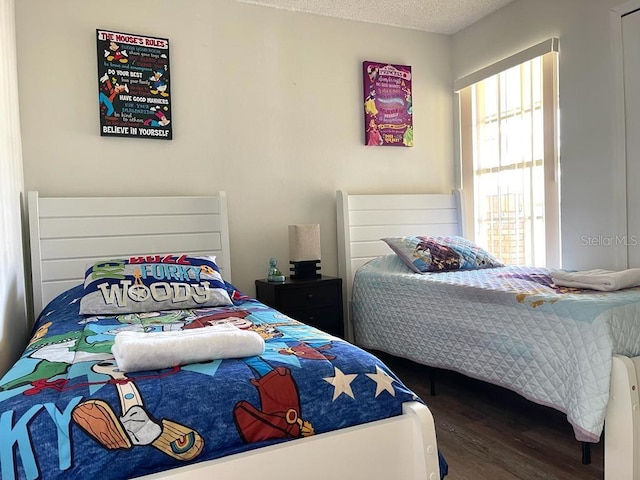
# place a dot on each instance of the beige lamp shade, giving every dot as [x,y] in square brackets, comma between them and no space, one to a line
[304,242]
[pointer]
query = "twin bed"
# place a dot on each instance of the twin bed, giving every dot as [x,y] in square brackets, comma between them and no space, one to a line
[68,411]
[311,404]
[569,349]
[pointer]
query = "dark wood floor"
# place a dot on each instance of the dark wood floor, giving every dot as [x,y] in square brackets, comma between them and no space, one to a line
[489,433]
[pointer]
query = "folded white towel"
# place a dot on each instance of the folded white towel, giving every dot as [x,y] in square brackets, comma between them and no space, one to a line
[135,351]
[603,280]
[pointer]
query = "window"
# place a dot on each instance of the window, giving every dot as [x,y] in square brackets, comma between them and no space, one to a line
[508,132]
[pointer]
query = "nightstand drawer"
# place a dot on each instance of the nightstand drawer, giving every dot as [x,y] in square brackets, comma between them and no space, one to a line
[328,319]
[316,302]
[309,297]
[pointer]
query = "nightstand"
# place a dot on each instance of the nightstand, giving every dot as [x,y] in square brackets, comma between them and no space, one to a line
[315,301]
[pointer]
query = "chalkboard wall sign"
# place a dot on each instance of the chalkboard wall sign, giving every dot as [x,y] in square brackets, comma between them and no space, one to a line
[133,85]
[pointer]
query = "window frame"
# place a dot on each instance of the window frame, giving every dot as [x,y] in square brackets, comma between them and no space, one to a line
[548,51]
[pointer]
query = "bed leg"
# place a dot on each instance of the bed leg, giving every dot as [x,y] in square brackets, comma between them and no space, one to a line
[432,381]
[586,453]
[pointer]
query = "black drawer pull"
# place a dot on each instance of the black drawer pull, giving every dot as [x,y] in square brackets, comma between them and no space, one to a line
[310,295]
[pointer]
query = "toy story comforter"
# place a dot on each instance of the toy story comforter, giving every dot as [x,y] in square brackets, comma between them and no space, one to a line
[67,411]
[510,326]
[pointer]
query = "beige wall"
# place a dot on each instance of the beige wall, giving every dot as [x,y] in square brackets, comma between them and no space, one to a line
[592,177]
[14,329]
[266,105]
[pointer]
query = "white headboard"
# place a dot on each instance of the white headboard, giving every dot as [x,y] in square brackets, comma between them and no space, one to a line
[67,233]
[364,219]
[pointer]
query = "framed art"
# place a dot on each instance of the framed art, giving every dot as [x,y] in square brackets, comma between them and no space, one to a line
[134,86]
[388,104]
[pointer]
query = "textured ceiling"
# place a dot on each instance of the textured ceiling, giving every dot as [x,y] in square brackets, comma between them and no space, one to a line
[436,16]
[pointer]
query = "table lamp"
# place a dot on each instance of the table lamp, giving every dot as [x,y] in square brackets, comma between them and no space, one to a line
[304,251]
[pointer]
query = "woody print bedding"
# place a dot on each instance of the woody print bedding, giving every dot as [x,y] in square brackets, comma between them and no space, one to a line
[67,411]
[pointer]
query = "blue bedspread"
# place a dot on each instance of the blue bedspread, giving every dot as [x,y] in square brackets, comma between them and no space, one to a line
[67,412]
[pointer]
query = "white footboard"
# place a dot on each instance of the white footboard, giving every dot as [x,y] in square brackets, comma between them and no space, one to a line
[402,448]
[622,422]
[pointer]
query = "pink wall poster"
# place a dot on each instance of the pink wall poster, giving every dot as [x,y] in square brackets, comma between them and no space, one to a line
[388,111]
